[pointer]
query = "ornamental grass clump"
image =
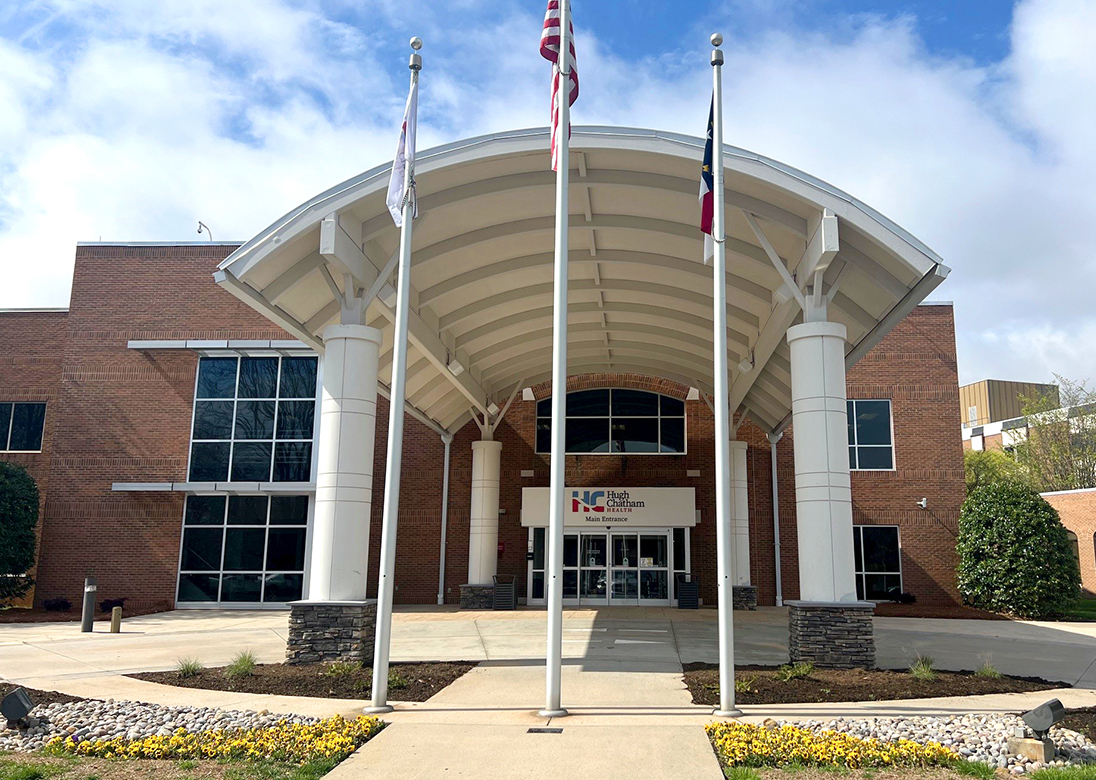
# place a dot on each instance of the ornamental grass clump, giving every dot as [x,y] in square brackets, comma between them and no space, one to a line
[188,667]
[989,671]
[243,665]
[744,744]
[923,668]
[334,738]
[798,671]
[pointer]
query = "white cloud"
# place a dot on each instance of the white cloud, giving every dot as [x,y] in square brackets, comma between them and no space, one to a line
[160,113]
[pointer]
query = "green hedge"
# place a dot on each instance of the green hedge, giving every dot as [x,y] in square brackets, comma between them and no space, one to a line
[1014,554]
[18,519]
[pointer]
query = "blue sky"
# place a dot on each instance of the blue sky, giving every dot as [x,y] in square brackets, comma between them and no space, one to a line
[967,122]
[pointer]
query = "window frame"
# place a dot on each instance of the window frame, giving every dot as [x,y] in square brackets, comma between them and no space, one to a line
[224,526]
[274,440]
[859,571]
[656,417]
[856,445]
[6,448]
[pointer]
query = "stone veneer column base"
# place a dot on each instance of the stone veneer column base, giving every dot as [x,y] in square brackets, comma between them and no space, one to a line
[322,631]
[477,596]
[744,597]
[832,635]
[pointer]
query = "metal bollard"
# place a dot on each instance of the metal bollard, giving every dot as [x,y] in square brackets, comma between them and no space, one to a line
[91,588]
[116,620]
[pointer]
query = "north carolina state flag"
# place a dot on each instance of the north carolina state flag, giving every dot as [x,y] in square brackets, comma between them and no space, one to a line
[707,186]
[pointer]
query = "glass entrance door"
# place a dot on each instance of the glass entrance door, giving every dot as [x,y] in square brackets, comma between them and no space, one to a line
[640,569]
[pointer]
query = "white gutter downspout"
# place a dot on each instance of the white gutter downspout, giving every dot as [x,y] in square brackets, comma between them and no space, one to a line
[773,439]
[447,439]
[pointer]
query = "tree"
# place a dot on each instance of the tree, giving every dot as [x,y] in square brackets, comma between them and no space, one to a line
[1014,554]
[1060,450]
[18,520]
[984,467]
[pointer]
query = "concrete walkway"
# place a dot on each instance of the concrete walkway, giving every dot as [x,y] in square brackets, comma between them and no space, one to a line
[630,712]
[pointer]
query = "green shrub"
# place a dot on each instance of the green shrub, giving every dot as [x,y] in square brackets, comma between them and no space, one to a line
[745,684]
[1014,554]
[189,667]
[922,668]
[797,671]
[988,671]
[18,519]
[396,680]
[243,665]
[342,668]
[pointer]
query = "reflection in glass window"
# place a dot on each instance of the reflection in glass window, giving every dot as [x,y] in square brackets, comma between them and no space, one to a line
[21,426]
[243,549]
[616,421]
[871,445]
[254,419]
[877,557]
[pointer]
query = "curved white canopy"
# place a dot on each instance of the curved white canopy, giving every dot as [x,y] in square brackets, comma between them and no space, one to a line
[640,296]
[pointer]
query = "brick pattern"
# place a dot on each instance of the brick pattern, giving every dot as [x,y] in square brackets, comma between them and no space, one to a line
[320,633]
[123,415]
[831,636]
[1077,508]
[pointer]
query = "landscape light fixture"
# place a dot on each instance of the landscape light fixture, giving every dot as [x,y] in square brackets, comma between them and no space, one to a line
[16,706]
[1040,719]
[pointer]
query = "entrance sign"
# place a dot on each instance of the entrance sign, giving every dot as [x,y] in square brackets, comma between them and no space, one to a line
[661,507]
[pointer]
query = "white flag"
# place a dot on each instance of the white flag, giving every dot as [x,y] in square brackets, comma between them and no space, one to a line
[401,186]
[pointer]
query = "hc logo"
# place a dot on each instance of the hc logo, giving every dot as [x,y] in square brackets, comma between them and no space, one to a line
[588,501]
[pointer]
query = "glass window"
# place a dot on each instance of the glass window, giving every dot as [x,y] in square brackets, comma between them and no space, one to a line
[216,377]
[298,378]
[869,432]
[246,510]
[230,554]
[213,419]
[616,420]
[21,426]
[539,553]
[877,557]
[259,436]
[258,377]
[209,462]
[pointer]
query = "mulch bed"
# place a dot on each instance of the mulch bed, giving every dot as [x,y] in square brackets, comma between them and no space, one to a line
[953,611]
[837,685]
[37,696]
[416,681]
[1082,720]
[16,615]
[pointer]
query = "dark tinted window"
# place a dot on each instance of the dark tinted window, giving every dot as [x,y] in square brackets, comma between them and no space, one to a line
[285,549]
[209,462]
[251,461]
[544,407]
[635,435]
[544,435]
[5,424]
[26,427]
[247,510]
[283,587]
[205,510]
[258,377]
[213,419]
[202,549]
[880,547]
[588,403]
[298,378]
[587,435]
[295,419]
[198,587]
[241,587]
[869,433]
[634,403]
[244,549]
[293,461]
[216,377]
[874,458]
[255,419]
[288,510]
[873,422]
[673,434]
[672,407]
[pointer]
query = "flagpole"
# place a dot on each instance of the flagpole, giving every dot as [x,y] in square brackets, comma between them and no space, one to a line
[553,707]
[721,402]
[385,587]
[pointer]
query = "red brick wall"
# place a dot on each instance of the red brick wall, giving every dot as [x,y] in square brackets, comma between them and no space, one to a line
[1077,508]
[31,344]
[123,415]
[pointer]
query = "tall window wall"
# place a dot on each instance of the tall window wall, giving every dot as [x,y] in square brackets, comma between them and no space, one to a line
[253,419]
[239,549]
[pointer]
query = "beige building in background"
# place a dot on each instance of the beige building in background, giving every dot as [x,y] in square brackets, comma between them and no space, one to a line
[994,400]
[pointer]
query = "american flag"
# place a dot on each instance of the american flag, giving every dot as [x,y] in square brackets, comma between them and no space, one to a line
[707,187]
[549,49]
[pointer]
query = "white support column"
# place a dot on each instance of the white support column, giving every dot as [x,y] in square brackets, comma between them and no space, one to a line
[483,531]
[823,497]
[740,513]
[344,471]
